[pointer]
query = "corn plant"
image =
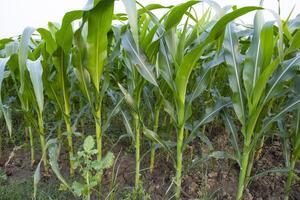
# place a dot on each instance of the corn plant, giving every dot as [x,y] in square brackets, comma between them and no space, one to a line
[254,86]
[133,95]
[19,52]
[139,69]
[294,157]
[35,71]
[183,69]
[89,56]
[290,142]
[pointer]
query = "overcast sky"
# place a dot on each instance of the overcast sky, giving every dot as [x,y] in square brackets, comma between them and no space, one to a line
[15,15]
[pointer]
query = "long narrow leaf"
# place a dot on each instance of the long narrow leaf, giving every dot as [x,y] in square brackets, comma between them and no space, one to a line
[3,108]
[23,54]
[36,71]
[234,60]
[99,23]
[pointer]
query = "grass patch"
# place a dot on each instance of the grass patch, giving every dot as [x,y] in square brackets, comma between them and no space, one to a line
[23,191]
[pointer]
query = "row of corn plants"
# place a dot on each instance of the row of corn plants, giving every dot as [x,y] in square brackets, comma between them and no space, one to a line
[166,78]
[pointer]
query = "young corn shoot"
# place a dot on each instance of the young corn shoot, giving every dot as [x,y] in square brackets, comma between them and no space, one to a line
[294,155]
[36,71]
[255,85]
[185,64]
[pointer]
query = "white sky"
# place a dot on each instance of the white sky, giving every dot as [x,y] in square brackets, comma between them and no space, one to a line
[15,15]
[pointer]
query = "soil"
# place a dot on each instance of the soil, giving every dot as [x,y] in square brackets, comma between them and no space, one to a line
[213,179]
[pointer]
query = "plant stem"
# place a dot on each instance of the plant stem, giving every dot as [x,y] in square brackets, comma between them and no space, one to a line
[179,161]
[259,149]
[98,134]
[67,112]
[156,119]
[289,180]
[31,145]
[99,139]
[137,150]
[81,120]
[42,139]
[70,143]
[152,157]
[243,170]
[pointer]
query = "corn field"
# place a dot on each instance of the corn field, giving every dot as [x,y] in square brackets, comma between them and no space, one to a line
[162,83]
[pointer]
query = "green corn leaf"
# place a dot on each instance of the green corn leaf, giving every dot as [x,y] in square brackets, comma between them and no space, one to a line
[36,71]
[201,83]
[285,142]
[128,97]
[3,62]
[270,171]
[154,137]
[52,146]
[150,7]
[164,63]
[130,7]
[172,41]
[198,28]
[266,44]
[91,4]
[60,86]
[5,111]
[234,60]
[180,48]
[263,58]
[23,54]
[11,48]
[53,160]
[220,26]
[215,154]
[208,117]
[252,64]
[210,114]
[261,84]
[64,35]
[222,155]
[202,137]
[5,41]
[115,111]
[46,35]
[234,135]
[176,13]
[191,58]
[78,58]
[53,28]
[291,105]
[279,77]
[138,59]
[295,42]
[128,126]
[36,179]
[99,24]
[144,23]
[169,108]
